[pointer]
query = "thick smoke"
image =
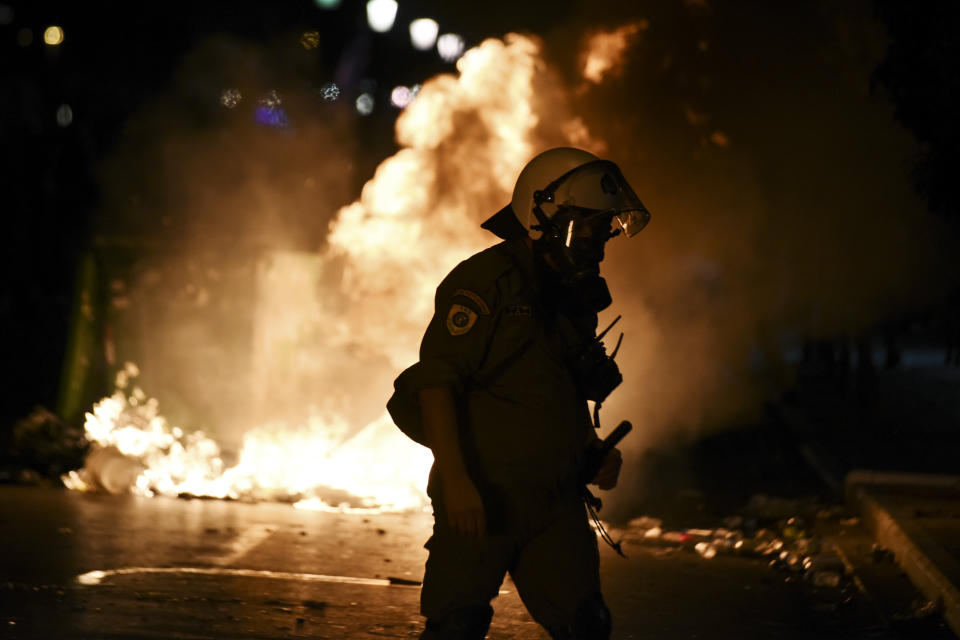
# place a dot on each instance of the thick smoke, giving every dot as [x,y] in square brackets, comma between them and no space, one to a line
[780,195]
[780,200]
[255,300]
[240,159]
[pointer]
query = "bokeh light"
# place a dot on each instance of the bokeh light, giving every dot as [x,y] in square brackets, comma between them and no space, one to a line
[24,37]
[269,112]
[271,116]
[401,96]
[365,104]
[381,14]
[230,98]
[53,35]
[720,139]
[6,14]
[327,4]
[270,99]
[310,40]
[64,115]
[330,91]
[423,33]
[450,47]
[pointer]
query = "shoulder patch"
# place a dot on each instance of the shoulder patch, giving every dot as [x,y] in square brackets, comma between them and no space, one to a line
[460,319]
[475,298]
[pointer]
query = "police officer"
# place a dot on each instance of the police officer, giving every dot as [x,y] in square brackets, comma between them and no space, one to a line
[506,367]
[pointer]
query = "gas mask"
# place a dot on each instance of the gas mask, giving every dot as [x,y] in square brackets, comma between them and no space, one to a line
[576,255]
[590,204]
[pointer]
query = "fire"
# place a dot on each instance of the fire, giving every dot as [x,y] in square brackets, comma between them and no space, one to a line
[355,311]
[314,463]
[604,51]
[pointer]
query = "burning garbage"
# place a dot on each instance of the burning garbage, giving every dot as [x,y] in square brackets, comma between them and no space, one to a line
[316,465]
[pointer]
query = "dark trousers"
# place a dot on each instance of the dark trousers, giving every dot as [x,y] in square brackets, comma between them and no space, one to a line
[549,550]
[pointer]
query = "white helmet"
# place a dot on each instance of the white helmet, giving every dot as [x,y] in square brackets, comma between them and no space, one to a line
[572,179]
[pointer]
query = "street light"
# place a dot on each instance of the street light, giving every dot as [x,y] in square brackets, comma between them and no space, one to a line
[450,47]
[423,33]
[53,35]
[381,14]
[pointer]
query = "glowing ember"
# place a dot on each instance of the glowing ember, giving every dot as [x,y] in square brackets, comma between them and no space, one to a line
[339,321]
[605,50]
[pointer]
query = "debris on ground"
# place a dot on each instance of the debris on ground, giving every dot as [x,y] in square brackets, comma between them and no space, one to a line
[779,530]
[44,446]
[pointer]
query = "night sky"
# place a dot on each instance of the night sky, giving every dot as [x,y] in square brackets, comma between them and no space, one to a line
[804,69]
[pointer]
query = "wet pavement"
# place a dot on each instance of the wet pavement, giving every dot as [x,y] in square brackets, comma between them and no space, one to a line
[214,569]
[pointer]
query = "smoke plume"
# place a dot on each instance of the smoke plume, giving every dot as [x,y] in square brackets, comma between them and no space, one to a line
[261,285]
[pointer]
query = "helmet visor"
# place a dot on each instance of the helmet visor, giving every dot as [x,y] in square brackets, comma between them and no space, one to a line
[601,187]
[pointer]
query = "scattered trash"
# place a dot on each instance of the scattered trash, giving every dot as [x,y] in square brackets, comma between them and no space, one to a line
[826,579]
[44,446]
[645,522]
[921,609]
[879,553]
[775,529]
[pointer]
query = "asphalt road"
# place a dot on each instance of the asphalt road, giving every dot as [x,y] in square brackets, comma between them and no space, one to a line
[213,569]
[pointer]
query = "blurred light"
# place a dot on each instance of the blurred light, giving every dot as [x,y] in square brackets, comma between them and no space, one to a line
[64,115]
[330,91]
[310,40]
[327,4]
[365,104]
[720,139]
[53,35]
[450,47]
[271,116]
[423,33]
[6,14]
[270,99]
[230,98]
[381,14]
[269,112]
[415,90]
[24,37]
[401,97]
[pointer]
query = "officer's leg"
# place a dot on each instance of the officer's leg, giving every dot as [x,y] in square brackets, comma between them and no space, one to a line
[462,576]
[558,578]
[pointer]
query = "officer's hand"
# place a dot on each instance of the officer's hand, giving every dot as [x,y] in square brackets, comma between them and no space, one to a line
[465,513]
[609,471]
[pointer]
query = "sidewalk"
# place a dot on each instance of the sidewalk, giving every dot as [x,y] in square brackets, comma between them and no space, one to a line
[917,518]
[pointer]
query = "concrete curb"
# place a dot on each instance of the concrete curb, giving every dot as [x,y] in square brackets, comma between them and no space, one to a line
[931,569]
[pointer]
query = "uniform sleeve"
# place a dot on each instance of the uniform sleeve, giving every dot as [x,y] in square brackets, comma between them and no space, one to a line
[458,336]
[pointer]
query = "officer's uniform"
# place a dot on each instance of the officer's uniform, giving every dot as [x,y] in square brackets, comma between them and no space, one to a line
[499,342]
